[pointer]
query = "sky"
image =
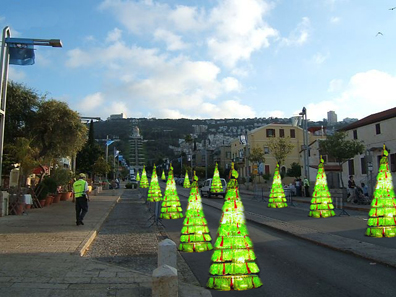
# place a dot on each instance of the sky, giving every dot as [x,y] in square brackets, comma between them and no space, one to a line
[203,59]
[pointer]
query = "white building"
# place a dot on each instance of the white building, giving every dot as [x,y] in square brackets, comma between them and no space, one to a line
[374,131]
[331,117]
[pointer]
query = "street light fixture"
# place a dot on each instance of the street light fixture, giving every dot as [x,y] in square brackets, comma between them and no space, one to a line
[22,53]
[302,119]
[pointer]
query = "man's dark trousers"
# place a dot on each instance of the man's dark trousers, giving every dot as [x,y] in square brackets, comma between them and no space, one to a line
[81,208]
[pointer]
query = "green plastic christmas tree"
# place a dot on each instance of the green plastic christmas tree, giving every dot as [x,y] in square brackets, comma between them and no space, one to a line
[195,236]
[171,207]
[277,198]
[234,266]
[154,193]
[144,183]
[186,183]
[163,175]
[382,215]
[321,203]
[138,176]
[216,186]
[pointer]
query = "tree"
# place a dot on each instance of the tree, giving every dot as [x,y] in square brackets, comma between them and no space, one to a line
[280,148]
[341,149]
[256,156]
[58,130]
[294,170]
[101,167]
[89,154]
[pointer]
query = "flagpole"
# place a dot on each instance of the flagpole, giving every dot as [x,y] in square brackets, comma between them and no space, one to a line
[114,156]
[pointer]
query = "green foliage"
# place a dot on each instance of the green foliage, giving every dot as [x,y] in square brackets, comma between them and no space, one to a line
[256,155]
[294,170]
[50,184]
[338,147]
[62,176]
[22,105]
[128,186]
[58,130]
[267,176]
[101,166]
[280,148]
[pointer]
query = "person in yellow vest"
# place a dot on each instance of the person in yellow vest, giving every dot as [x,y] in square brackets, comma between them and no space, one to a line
[81,197]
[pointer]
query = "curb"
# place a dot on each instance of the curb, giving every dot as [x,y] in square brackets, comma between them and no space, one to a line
[84,245]
[364,250]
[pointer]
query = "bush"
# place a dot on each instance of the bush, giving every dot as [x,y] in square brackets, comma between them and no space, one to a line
[51,184]
[128,186]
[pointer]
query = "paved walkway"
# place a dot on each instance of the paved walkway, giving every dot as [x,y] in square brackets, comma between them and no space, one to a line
[40,255]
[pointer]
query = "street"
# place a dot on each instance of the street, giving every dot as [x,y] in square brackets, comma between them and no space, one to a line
[291,266]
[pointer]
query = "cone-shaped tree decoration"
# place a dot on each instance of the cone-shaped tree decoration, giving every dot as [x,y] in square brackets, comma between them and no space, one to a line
[186,183]
[195,236]
[163,175]
[171,207]
[216,186]
[138,176]
[277,198]
[144,183]
[382,215]
[234,266]
[154,193]
[321,203]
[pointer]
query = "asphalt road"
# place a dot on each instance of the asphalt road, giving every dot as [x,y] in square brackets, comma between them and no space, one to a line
[291,266]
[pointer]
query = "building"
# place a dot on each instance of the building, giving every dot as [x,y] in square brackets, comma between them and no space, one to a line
[117,116]
[198,129]
[222,156]
[260,138]
[136,152]
[331,117]
[374,131]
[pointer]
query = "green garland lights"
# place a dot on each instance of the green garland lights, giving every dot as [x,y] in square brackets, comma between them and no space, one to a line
[154,192]
[171,207]
[277,198]
[144,183]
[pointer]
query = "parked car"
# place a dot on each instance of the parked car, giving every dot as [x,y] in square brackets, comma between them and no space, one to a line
[205,190]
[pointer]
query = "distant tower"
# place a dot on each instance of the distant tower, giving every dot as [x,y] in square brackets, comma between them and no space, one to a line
[331,117]
[136,152]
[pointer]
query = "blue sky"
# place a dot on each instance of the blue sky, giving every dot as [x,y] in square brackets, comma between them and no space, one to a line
[211,58]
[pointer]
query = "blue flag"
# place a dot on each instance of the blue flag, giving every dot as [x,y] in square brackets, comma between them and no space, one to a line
[108,142]
[21,51]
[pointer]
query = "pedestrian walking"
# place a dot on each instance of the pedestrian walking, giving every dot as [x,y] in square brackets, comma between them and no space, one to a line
[298,186]
[306,187]
[81,198]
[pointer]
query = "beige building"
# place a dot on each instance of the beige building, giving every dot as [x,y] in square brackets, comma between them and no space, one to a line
[260,138]
[374,131]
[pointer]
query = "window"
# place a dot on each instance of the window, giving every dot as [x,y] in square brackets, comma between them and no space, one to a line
[363,165]
[292,133]
[378,128]
[266,150]
[228,155]
[351,167]
[393,162]
[282,133]
[270,132]
[355,134]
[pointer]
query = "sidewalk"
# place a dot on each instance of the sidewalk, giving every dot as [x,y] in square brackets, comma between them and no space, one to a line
[40,255]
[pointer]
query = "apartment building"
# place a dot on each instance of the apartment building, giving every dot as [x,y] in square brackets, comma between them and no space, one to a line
[374,131]
[260,138]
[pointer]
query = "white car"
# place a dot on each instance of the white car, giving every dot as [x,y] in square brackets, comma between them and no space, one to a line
[205,190]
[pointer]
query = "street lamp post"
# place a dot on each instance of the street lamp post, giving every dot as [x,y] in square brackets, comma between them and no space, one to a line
[24,47]
[303,114]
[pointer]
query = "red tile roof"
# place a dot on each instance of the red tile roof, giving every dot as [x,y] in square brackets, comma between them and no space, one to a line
[374,118]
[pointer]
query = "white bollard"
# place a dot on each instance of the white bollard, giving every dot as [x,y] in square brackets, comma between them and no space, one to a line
[167,253]
[164,282]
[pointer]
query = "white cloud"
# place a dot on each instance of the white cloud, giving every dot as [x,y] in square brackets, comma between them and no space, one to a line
[187,18]
[91,102]
[335,85]
[227,109]
[16,74]
[366,93]
[114,35]
[299,35]
[320,58]
[239,30]
[335,20]
[173,41]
